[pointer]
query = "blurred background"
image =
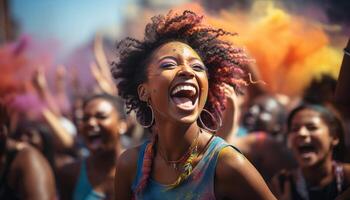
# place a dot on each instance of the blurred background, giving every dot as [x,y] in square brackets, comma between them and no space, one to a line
[299,39]
[53,54]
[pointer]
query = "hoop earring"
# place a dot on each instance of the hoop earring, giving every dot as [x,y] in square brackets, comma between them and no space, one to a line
[217,122]
[143,117]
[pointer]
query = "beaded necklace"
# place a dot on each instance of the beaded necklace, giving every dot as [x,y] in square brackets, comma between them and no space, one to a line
[185,163]
[188,165]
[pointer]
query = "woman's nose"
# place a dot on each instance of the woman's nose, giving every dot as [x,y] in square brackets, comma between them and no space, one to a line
[186,71]
[303,132]
[91,122]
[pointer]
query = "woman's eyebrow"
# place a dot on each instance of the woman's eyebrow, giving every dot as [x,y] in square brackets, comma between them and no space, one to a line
[167,57]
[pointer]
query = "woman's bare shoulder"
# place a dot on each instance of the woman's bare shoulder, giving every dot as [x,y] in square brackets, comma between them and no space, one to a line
[127,162]
[230,162]
[236,177]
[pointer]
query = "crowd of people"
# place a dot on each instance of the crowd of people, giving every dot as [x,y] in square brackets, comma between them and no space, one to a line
[184,122]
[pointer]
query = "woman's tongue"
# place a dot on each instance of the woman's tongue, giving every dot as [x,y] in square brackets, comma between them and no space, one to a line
[307,151]
[183,102]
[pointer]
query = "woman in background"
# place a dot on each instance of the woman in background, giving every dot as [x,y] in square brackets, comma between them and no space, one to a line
[316,137]
[24,172]
[92,177]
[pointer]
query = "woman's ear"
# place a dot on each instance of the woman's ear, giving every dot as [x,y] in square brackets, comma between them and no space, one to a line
[123,127]
[335,141]
[143,93]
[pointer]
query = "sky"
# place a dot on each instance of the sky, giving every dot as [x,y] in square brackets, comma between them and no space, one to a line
[71,23]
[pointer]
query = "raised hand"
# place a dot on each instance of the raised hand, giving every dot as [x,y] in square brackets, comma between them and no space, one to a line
[101,69]
[230,115]
[104,83]
[39,81]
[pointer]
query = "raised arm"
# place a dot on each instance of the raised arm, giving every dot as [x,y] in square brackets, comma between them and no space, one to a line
[63,140]
[342,94]
[230,121]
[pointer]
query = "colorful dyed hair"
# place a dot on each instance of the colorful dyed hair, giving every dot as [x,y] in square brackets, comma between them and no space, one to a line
[225,64]
[333,121]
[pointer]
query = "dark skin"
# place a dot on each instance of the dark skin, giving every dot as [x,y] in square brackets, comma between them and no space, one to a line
[29,175]
[99,115]
[172,64]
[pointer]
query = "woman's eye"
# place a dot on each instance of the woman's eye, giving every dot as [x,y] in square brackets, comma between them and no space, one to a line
[311,127]
[199,67]
[85,118]
[168,65]
[101,116]
[294,129]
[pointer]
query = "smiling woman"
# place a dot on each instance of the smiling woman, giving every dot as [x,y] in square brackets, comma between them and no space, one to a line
[92,177]
[174,80]
[316,137]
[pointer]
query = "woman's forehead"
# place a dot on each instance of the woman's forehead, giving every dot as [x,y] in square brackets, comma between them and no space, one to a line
[307,115]
[99,104]
[174,48]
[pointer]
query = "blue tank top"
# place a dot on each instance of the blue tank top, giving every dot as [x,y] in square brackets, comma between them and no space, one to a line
[83,189]
[199,185]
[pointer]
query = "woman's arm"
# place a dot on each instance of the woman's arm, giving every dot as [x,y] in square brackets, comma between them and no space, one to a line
[342,95]
[63,140]
[236,178]
[230,121]
[125,174]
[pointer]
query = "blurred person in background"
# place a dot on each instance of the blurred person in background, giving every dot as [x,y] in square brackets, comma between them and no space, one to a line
[264,137]
[39,136]
[24,172]
[92,177]
[265,114]
[316,138]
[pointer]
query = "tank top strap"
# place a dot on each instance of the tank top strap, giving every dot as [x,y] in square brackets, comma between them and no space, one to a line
[139,165]
[83,188]
[211,156]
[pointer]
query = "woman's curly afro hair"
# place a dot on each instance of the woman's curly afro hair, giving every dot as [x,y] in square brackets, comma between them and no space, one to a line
[224,62]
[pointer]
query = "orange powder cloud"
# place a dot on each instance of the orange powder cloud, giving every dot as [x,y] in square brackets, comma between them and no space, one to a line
[289,50]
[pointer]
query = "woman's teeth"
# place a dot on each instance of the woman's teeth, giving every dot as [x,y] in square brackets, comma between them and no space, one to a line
[95,131]
[191,89]
[185,96]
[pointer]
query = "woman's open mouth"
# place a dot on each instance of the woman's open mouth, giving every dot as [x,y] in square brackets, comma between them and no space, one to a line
[306,150]
[95,139]
[185,96]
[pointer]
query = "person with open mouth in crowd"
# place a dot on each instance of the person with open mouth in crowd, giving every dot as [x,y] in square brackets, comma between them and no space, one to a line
[174,80]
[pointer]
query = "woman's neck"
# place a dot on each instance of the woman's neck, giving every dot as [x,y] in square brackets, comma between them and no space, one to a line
[175,139]
[106,159]
[320,174]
